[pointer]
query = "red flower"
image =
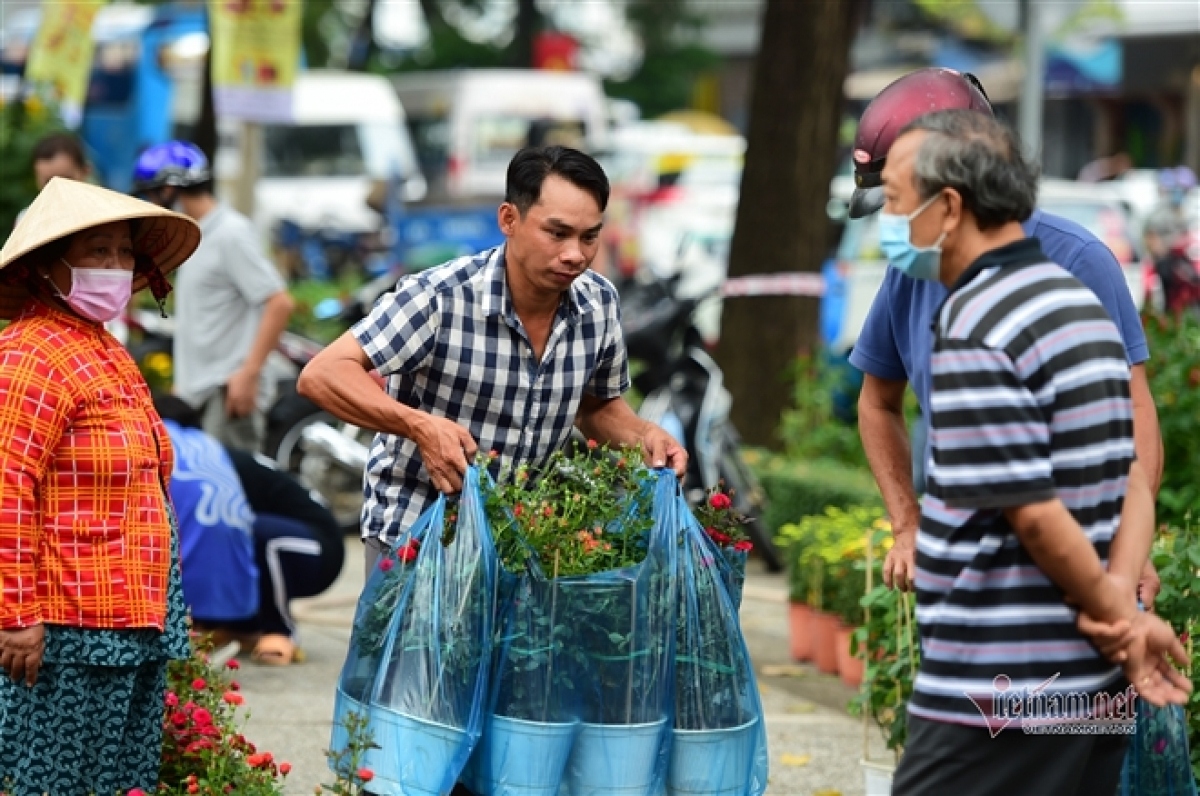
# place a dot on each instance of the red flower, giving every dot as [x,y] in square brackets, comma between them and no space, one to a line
[408,552]
[234,685]
[743,547]
[202,717]
[592,444]
[179,718]
[493,454]
[366,774]
[548,511]
[232,664]
[256,760]
[1183,637]
[386,563]
[232,698]
[171,699]
[199,684]
[136,792]
[519,510]
[717,536]
[285,768]
[720,501]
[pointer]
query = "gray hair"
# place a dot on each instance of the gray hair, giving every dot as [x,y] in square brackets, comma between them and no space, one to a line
[980,158]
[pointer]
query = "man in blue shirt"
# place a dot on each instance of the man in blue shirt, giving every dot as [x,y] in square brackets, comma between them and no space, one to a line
[896,343]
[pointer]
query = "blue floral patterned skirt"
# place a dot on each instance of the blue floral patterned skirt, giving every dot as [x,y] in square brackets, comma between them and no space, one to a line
[93,722]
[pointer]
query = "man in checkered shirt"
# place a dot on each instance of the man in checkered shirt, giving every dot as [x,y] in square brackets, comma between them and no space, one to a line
[504,351]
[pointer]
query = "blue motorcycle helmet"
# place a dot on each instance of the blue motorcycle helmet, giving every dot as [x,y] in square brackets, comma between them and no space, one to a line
[176,164]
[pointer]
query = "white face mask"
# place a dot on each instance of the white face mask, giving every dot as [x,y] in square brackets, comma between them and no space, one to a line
[98,294]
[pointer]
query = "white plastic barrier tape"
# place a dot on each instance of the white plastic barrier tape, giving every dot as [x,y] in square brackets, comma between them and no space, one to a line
[785,284]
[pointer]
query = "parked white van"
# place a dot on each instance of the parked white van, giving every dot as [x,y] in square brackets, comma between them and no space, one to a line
[467,124]
[347,134]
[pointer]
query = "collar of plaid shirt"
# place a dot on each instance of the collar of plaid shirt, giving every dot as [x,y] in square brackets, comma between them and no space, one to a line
[498,298]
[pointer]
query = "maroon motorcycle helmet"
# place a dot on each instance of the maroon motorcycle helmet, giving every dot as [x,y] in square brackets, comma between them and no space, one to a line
[912,96]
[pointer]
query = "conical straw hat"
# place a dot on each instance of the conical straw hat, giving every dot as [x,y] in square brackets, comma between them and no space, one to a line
[65,207]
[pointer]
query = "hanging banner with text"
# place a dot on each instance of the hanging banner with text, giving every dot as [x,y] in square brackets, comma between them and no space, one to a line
[60,58]
[255,56]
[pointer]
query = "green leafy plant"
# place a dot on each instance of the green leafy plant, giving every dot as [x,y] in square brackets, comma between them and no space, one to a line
[22,123]
[889,642]
[583,513]
[797,489]
[827,558]
[1176,555]
[348,764]
[203,750]
[1174,373]
[812,429]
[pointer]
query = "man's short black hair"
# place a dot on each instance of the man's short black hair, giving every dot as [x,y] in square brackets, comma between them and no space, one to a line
[531,166]
[58,143]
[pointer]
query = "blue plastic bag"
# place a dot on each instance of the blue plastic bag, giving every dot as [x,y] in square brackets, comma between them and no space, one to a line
[429,696]
[583,675]
[719,746]
[1157,763]
[385,591]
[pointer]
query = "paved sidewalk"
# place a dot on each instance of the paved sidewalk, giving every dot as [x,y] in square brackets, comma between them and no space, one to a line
[815,745]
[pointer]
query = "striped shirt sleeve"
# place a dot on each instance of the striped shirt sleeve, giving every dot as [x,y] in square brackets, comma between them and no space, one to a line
[990,438]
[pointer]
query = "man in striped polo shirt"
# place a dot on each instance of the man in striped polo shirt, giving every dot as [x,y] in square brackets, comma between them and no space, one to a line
[1032,474]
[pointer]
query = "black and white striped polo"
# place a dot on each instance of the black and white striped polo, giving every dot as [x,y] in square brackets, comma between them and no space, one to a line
[1030,402]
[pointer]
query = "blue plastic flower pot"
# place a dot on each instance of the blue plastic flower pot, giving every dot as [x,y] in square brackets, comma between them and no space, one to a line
[615,759]
[521,758]
[416,757]
[712,762]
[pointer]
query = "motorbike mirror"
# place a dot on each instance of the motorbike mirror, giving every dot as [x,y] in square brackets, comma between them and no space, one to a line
[837,209]
[327,309]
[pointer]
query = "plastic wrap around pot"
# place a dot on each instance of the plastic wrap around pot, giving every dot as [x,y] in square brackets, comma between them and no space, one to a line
[429,700]
[719,744]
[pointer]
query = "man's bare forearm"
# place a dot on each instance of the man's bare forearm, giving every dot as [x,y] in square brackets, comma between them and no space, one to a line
[1131,546]
[1147,435]
[338,381]
[1063,552]
[885,440]
[276,313]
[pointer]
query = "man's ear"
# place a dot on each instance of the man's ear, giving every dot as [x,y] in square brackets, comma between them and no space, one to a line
[954,211]
[508,217]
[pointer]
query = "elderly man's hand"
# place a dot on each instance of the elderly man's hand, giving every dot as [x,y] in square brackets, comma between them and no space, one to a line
[21,653]
[900,565]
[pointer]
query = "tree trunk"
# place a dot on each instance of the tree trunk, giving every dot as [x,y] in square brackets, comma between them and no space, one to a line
[528,22]
[795,111]
[205,134]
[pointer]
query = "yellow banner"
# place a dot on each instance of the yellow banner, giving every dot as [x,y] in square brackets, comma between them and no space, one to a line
[60,58]
[255,56]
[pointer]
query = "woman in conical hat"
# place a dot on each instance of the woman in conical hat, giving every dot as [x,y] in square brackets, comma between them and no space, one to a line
[91,608]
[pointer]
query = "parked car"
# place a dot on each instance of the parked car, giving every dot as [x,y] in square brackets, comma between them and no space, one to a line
[468,123]
[348,135]
[857,274]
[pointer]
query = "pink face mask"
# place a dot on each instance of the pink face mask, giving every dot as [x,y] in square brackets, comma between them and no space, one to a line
[98,294]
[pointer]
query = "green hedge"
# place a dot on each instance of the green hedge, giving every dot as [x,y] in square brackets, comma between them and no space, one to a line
[798,489]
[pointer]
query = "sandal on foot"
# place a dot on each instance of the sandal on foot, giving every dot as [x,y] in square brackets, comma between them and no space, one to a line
[274,649]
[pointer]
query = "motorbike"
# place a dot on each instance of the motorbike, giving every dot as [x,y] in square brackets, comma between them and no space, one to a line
[684,393]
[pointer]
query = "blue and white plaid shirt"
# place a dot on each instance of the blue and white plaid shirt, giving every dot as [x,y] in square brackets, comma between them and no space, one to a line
[450,344]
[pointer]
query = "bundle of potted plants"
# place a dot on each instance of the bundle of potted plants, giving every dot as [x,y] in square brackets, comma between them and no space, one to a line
[377,606]
[427,708]
[717,734]
[602,634]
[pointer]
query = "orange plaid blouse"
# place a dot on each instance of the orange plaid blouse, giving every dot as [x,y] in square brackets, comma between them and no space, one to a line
[85,537]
